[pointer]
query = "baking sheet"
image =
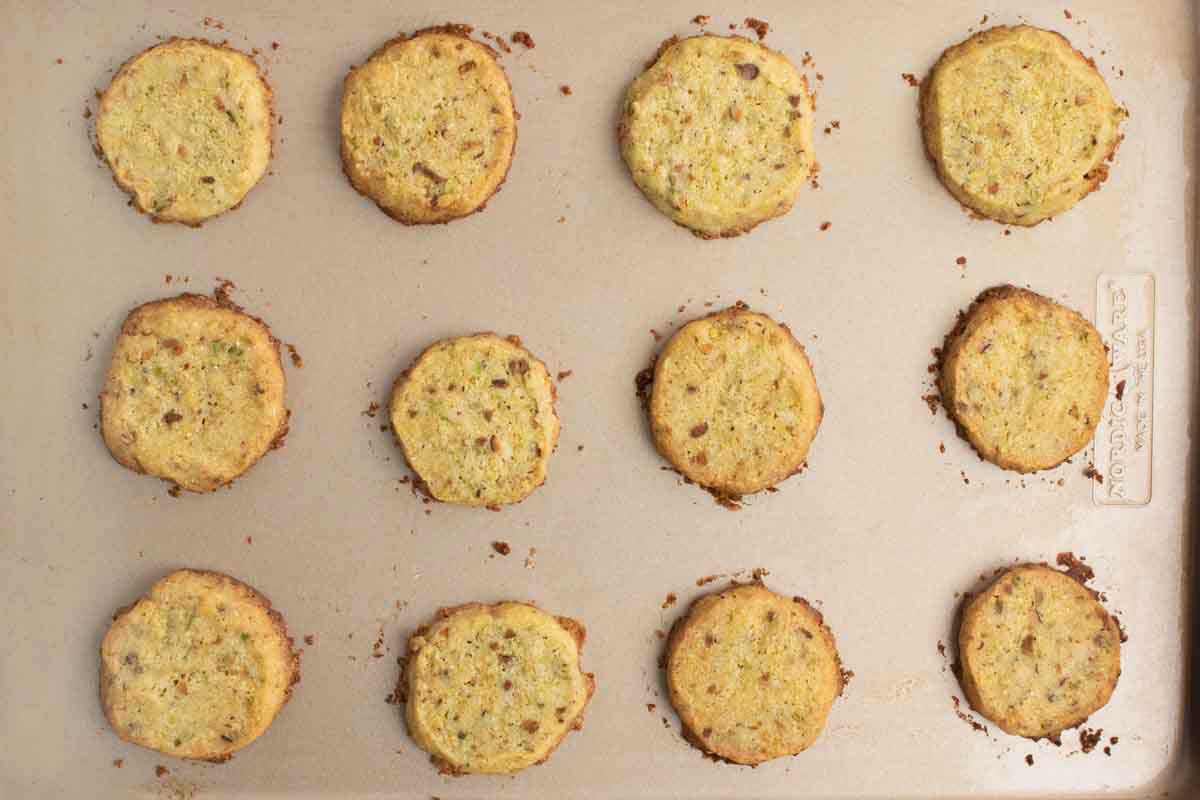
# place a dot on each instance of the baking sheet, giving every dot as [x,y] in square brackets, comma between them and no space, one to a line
[882,530]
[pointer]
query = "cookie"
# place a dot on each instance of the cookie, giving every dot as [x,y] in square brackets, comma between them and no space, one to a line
[734,405]
[717,133]
[1024,379]
[197,668]
[494,688]
[194,392]
[185,127]
[475,418]
[1019,124]
[428,126]
[1039,653]
[752,674]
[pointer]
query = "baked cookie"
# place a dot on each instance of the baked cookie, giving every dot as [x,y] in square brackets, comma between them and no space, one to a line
[1024,378]
[194,392]
[428,126]
[186,128]
[197,668]
[494,688]
[1019,124]
[752,674]
[717,133]
[1039,653]
[734,405]
[475,418]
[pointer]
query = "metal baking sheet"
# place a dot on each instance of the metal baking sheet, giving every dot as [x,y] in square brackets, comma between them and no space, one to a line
[883,529]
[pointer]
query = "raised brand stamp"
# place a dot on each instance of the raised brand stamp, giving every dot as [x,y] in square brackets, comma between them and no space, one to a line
[1125,437]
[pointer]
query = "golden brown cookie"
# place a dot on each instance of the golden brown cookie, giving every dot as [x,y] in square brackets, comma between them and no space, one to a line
[1024,378]
[1019,124]
[197,668]
[186,128]
[429,127]
[475,417]
[717,133]
[494,688]
[734,405]
[194,392]
[1039,653]
[752,674]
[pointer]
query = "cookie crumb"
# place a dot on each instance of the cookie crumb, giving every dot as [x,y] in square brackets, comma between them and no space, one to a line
[1029,756]
[670,601]
[566,90]
[910,79]
[564,374]
[309,639]
[297,359]
[501,547]
[701,19]
[521,37]
[759,27]
[826,226]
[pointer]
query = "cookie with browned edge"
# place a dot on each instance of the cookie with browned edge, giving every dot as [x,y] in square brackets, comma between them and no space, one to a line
[195,392]
[1024,378]
[734,405]
[752,674]
[429,126]
[197,668]
[1039,653]
[494,688]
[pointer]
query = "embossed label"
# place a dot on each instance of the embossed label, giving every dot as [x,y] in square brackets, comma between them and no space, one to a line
[1124,438]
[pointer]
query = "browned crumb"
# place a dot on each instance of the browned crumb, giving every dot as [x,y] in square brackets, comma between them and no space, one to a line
[932,400]
[1067,13]
[377,648]
[965,479]
[807,61]
[1090,472]
[297,359]
[174,491]
[564,374]
[58,61]
[210,22]
[371,410]
[249,540]
[1076,569]
[87,113]
[561,220]
[521,37]
[1120,390]
[975,724]
[910,79]
[530,563]
[160,770]
[961,261]
[826,226]
[566,90]
[701,19]
[650,707]
[309,639]
[501,547]
[118,762]
[657,336]
[274,45]
[941,447]
[1089,738]
[1029,756]
[670,601]
[758,26]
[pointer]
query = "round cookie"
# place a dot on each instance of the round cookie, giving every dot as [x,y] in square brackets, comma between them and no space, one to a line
[1039,653]
[1024,378]
[752,674]
[1019,124]
[194,392]
[717,133]
[428,126]
[197,668]
[475,417]
[734,405]
[494,688]
[185,127]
